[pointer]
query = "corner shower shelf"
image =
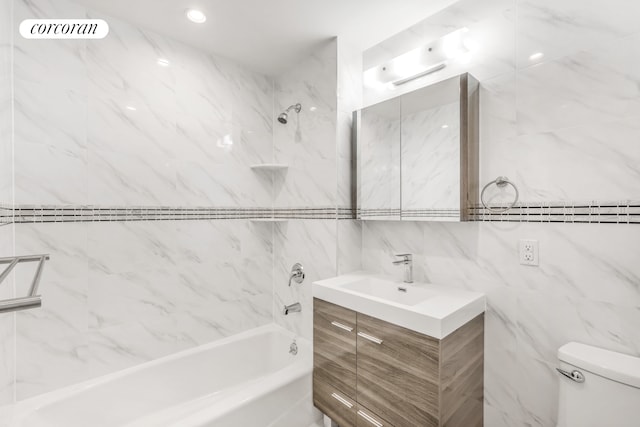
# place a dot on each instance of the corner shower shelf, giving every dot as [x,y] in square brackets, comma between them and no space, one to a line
[269,220]
[271,167]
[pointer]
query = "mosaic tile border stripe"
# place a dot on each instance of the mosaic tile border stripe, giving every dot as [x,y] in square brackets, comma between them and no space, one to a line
[6,214]
[377,214]
[625,212]
[595,212]
[28,214]
[417,214]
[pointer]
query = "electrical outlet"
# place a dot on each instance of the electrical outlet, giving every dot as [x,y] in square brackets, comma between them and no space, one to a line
[528,252]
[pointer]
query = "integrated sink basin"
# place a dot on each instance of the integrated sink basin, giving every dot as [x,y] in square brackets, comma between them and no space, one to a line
[401,293]
[434,310]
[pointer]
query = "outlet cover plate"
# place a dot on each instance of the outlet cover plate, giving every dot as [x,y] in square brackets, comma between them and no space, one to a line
[528,252]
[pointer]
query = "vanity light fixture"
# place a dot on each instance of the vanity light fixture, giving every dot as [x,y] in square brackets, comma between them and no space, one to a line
[426,72]
[453,44]
[163,62]
[409,64]
[455,48]
[196,16]
[372,80]
[536,56]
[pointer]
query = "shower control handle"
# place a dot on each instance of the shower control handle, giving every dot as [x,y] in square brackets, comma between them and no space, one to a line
[297,273]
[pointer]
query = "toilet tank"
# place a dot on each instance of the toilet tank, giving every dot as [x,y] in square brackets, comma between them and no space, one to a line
[610,393]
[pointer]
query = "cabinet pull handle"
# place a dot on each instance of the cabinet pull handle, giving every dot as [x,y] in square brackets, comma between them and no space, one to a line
[370,338]
[342,400]
[341,326]
[370,419]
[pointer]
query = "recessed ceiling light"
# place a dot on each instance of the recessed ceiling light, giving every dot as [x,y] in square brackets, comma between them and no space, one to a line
[445,126]
[196,16]
[536,56]
[163,62]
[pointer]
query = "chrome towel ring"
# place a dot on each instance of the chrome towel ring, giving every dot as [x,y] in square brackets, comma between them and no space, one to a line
[501,182]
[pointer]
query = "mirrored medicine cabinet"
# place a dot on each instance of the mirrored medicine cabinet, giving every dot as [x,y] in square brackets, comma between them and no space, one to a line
[416,155]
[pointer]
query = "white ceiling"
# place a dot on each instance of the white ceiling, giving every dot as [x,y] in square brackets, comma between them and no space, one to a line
[271,35]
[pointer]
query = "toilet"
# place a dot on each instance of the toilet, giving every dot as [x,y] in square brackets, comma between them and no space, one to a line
[598,388]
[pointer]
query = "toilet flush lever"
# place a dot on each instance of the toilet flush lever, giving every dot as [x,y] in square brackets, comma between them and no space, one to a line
[574,375]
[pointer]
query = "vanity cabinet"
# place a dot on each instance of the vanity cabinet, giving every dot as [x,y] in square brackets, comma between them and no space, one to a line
[380,374]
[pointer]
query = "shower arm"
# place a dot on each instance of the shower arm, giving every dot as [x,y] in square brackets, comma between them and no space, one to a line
[297,107]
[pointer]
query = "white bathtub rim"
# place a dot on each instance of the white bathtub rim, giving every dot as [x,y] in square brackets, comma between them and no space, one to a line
[247,395]
[199,411]
[18,411]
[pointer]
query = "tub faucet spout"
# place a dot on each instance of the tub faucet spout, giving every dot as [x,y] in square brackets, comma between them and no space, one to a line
[292,308]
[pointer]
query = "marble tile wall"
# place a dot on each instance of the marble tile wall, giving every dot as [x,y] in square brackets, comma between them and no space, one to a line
[307,143]
[118,294]
[561,127]
[6,84]
[7,325]
[102,123]
[313,244]
[316,145]
[349,81]
[7,321]
[182,135]
[6,173]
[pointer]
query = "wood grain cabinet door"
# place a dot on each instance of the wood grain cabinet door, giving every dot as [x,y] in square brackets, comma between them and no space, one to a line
[334,346]
[397,373]
[367,418]
[462,376]
[335,404]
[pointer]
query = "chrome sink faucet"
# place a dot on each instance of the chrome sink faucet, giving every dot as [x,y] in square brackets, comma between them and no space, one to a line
[407,261]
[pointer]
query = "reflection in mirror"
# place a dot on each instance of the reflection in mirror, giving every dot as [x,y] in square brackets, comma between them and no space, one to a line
[379,161]
[431,152]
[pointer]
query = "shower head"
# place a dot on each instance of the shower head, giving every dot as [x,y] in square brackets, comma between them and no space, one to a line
[284,116]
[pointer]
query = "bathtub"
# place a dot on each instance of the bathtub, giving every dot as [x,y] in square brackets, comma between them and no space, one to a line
[247,380]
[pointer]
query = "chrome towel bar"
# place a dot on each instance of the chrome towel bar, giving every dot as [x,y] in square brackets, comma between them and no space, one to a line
[33,300]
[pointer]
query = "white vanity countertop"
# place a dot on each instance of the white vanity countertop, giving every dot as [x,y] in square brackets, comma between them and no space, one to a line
[436,310]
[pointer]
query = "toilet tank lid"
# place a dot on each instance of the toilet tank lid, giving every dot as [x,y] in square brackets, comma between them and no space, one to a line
[609,364]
